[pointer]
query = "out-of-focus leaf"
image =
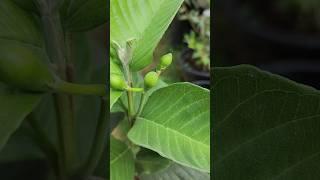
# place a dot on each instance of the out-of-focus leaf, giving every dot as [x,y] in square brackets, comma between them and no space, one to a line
[265,126]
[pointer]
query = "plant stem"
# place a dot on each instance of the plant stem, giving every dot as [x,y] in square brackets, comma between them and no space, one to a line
[129,94]
[66,132]
[98,144]
[80,89]
[130,107]
[134,89]
[55,47]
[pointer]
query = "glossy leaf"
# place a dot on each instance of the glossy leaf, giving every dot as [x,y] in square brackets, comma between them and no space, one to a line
[176,172]
[265,126]
[175,123]
[14,107]
[144,20]
[121,161]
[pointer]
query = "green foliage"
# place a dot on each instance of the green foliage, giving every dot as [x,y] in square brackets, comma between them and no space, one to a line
[121,161]
[27,68]
[143,20]
[13,20]
[14,108]
[266,126]
[197,13]
[82,15]
[176,171]
[39,51]
[77,15]
[167,125]
[161,118]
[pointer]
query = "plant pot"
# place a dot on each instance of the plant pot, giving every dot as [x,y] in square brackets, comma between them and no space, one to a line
[188,72]
[279,39]
[177,30]
[301,71]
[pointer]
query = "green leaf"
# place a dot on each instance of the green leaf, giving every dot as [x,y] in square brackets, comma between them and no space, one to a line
[175,123]
[83,15]
[144,20]
[14,107]
[114,96]
[20,139]
[18,25]
[265,126]
[176,172]
[121,161]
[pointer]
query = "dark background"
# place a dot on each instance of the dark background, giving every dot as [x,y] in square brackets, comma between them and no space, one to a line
[280,38]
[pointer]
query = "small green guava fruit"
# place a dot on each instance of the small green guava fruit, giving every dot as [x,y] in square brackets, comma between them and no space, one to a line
[151,79]
[25,67]
[166,60]
[117,82]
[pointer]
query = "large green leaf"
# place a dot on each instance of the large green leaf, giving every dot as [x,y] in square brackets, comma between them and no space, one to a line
[144,20]
[18,25]
[265,126]
[175,123]
[77,15]
[121,161]
[14,107]
[176,172]
[20,139]
[82,15]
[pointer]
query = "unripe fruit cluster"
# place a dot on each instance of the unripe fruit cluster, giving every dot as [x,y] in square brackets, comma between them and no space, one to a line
[151,79]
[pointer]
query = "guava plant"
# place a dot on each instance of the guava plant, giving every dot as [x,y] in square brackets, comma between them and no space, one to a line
[46,110]
[165,130]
